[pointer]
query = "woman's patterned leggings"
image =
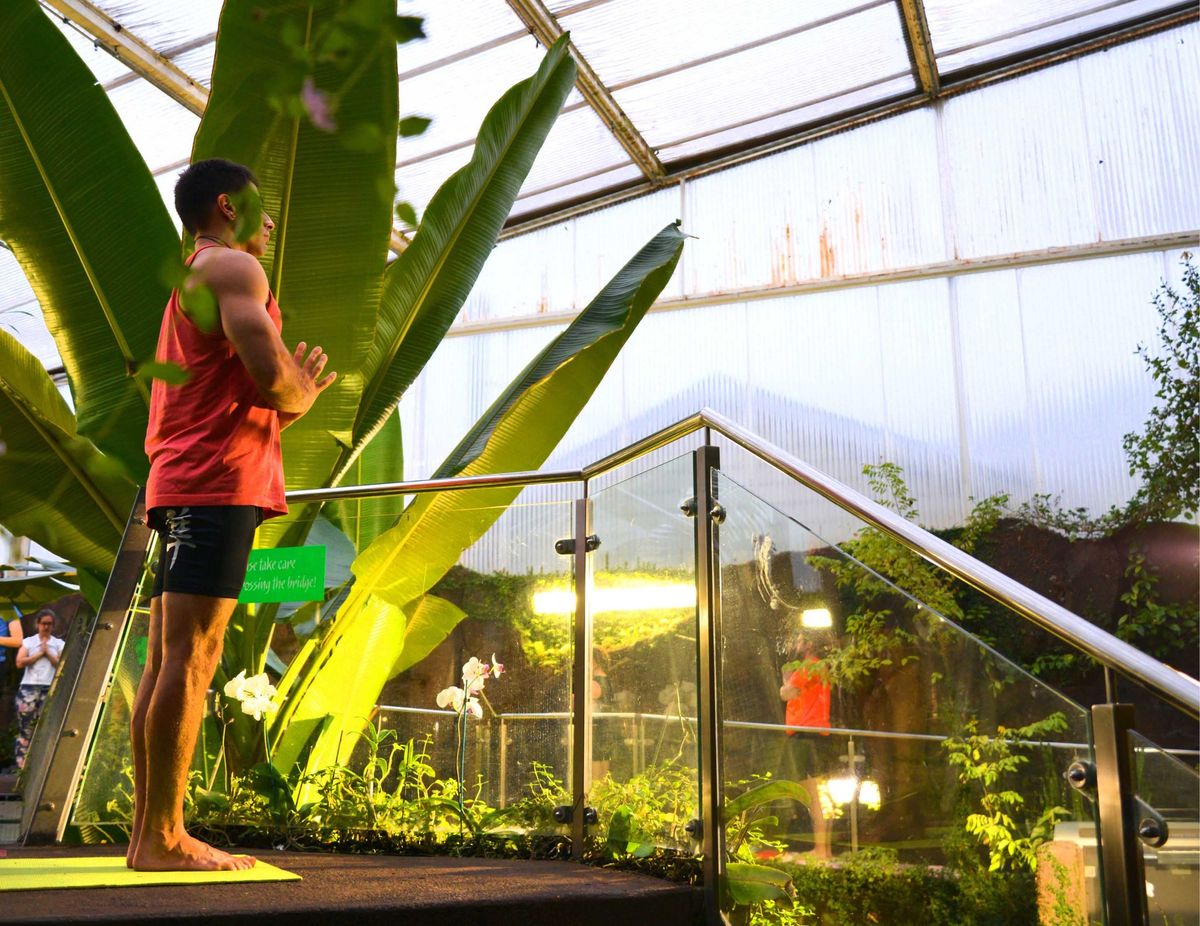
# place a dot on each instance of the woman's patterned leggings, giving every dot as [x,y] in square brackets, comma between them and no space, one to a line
[30,699]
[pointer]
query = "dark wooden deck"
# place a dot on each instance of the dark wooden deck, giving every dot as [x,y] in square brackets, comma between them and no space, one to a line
[364,890]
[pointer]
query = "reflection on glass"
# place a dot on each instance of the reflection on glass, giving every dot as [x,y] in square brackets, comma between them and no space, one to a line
[902,732]
[643,608]
[373,746]
[1169,784]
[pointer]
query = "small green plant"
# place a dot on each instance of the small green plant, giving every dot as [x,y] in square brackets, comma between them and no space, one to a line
[1002,823]
[1162,630]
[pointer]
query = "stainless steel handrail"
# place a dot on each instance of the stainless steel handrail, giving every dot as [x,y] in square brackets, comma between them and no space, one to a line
[1175,687]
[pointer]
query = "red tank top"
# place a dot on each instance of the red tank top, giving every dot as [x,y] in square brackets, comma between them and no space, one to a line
[211,440]
[810,708]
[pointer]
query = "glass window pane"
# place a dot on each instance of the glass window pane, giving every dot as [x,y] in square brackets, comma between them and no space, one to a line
[970,32]
[792,72]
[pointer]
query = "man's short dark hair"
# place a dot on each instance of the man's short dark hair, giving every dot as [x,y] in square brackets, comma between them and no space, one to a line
[198,187]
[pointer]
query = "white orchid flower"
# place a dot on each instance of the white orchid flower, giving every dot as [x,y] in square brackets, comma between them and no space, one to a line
[256,694]
[497,667]
[257,705]
[474,670]
[451,697]
[236,686]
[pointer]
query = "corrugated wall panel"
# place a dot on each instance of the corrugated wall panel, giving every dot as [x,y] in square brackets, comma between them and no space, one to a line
[1019,165]
[996,400]
[1143,124]
[1082,323]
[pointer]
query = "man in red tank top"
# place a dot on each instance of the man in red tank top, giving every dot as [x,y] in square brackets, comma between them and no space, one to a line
[215,472]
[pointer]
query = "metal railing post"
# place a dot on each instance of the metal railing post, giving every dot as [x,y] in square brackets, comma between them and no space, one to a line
[581,681]
[1120,849]
[708,627]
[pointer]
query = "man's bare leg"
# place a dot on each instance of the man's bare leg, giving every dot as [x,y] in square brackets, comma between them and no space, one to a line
[192,630]
[821,840]
[137,723]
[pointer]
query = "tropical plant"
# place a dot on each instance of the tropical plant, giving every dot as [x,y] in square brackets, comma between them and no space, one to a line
[318,126]
[1165,453]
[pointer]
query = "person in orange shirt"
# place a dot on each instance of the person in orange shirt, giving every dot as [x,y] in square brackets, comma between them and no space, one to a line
[806,695]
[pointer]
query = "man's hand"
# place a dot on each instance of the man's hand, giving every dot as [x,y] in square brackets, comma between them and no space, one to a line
[789,693]
[309,371]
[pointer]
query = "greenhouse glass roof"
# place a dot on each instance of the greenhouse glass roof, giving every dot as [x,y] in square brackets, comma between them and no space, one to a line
[665,87]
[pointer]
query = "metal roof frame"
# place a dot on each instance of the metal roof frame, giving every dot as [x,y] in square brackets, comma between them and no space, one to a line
[920,46]
[545,28]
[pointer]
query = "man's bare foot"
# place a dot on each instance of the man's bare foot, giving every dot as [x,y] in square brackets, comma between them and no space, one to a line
[189,854]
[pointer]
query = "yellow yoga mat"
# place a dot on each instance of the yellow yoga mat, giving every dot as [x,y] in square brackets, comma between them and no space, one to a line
[41,874]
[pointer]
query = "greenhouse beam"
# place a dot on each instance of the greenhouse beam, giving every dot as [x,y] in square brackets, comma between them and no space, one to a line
[131,51]
[545,28]
[920,46]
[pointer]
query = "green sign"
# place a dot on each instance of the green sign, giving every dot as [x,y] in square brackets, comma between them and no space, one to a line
[285,574]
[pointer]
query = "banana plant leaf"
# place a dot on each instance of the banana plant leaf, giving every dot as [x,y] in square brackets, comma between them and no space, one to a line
[425,287]
[750,884]
[47,470]
[517,433]
[429,621]
[364,519]
[329,194]
[84,219]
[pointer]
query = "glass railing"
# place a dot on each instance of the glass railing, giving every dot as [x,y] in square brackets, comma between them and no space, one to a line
[859,723]
[645,778]
[381,753]
[1169,786]
[893,728]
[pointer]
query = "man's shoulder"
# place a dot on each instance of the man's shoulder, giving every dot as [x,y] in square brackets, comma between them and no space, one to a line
[230,270]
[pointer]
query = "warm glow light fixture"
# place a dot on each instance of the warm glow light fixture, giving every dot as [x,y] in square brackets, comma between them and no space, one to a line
[816,617]
[643,597]
[846,788]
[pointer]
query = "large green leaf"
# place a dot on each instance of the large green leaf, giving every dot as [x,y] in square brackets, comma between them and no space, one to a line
[83,217]
[364,519]
[427,285]
[55,486]
[517,433]
[429,621]
[751,884]
[778,790]
[331,200]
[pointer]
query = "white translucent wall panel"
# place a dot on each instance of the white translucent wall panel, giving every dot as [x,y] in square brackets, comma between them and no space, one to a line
[969,32]
[161,129]
[800,69]
[824,210]
[1087,388]
[562,267]
[458,95]
[1027,157]
[578,145]
[1015,381]
[163,25]
[454,27]
[1035,162]
[744,130]
[20,314]
[1144,134]
[576,191]
[628,39]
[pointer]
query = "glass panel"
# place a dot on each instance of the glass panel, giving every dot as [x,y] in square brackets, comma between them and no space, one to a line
[901,731]
[801,69]
[644,769]
[970,32]
[1168,782]
[398,778]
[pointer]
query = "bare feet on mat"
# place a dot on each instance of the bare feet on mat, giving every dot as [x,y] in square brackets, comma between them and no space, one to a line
[189,854]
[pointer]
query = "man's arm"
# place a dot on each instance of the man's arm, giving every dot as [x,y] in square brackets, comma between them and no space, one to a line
[288,382]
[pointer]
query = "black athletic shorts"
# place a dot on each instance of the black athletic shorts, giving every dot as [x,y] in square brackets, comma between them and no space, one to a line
[203,549]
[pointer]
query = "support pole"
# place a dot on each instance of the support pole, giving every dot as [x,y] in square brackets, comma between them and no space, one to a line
[1120,849]
[708,627]
[581,681]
